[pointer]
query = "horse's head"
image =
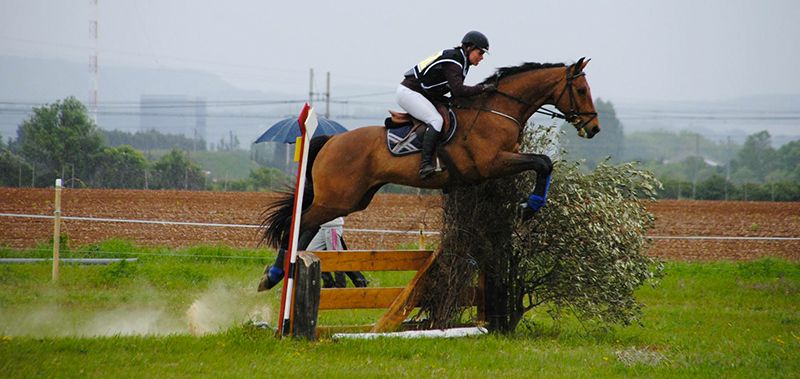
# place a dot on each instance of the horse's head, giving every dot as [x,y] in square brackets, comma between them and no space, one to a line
[575,101]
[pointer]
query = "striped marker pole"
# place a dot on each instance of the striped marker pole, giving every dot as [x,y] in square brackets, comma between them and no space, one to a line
[308,124]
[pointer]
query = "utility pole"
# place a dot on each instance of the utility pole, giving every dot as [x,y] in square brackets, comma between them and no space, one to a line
[328,96]
[696,165]
[311,86]
[93,65]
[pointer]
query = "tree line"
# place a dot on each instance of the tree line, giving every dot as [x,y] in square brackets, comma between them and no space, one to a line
[153,140]
[60,140]
[690,166]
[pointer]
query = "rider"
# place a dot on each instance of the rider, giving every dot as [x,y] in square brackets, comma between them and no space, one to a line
[429,82]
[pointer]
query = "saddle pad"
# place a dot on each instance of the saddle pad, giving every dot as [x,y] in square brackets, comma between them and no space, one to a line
[400,143]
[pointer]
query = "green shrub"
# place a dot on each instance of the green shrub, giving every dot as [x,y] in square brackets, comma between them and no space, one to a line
[585,252]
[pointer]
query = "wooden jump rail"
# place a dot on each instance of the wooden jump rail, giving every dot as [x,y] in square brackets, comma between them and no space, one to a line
[309,298]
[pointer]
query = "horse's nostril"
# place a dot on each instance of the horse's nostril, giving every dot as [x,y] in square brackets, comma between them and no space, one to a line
[595,129]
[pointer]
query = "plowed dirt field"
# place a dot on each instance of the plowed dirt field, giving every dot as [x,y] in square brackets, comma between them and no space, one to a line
[392,212]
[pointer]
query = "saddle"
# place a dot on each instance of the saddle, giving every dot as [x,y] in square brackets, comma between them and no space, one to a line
[404,133]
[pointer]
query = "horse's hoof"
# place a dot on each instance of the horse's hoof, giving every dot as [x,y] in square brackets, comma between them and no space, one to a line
[525,213]
[272,276]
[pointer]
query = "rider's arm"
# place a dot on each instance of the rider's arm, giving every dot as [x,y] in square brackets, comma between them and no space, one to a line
[452,72]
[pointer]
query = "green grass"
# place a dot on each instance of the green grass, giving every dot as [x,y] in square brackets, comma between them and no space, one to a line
[719,319]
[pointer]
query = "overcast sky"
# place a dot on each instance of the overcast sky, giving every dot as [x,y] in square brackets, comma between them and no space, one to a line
[640,50]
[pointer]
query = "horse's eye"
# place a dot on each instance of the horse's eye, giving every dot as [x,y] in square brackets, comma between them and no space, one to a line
[582,91]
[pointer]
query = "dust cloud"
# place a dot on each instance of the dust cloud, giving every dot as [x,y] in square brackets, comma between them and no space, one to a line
[220,307]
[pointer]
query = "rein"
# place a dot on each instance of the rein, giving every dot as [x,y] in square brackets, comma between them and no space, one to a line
[574,112]
[490,111]
[571,116]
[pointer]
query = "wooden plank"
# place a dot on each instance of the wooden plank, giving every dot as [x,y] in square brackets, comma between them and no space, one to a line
[358,298]
[370,260]
[371,298]
[406,301]
[306,297]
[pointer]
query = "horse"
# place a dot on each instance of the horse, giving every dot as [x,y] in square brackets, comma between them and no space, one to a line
[346,170]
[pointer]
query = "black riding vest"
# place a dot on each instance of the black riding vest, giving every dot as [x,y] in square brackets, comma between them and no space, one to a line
[429,72]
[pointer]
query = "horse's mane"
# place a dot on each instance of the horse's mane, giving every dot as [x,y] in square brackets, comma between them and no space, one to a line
[503,72]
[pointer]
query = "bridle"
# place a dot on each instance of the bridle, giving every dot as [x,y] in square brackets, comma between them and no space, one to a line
[574,114]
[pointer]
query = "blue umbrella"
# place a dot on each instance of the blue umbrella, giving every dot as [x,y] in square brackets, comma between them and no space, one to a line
[287,130]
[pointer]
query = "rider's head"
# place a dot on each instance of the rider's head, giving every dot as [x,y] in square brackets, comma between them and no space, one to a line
[475,44]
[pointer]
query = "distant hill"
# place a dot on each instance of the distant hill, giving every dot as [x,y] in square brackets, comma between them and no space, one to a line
[29,81]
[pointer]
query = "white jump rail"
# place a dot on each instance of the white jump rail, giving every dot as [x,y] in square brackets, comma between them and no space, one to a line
[357,230]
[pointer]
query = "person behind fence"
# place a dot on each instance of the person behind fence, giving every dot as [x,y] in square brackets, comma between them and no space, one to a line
[329,237]
[432,79]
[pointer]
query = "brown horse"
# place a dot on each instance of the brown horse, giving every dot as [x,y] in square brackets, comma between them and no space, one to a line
[346,170]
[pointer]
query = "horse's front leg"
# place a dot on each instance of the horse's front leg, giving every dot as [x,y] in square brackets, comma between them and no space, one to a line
[508,163]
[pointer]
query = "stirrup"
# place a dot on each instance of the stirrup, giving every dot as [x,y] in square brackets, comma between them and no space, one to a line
[426,171]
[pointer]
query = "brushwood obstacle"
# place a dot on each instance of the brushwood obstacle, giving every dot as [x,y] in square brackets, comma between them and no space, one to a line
[399,302]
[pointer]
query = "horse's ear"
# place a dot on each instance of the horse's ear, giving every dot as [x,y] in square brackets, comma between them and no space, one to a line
[578,67]
[585,62]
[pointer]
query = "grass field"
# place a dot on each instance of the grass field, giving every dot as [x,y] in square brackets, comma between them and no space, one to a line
[184,313]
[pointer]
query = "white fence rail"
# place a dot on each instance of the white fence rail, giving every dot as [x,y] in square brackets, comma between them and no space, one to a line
[379,231]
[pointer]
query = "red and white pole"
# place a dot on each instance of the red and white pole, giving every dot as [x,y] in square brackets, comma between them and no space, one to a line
[308,124]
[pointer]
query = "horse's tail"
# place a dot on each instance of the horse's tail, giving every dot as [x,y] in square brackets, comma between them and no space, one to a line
[278,214]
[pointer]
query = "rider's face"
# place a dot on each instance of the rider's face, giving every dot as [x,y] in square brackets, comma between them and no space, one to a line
[475,56]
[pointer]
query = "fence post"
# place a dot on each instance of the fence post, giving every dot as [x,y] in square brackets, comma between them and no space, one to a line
[57,230]
[307,296]
[421,238]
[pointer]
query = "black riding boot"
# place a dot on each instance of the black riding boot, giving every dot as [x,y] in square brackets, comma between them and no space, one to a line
[426,168]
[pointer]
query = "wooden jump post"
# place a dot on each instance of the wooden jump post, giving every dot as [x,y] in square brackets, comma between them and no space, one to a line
[308,124]
[399,301]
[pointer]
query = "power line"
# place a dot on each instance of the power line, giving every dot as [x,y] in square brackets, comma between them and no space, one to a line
[111,111]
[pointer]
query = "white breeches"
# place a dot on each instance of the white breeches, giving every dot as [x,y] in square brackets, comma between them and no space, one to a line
[418,106]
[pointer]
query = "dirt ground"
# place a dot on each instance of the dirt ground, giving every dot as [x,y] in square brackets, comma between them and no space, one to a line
[392,212]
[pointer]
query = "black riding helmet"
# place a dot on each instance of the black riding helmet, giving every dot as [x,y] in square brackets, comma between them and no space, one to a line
[477,39]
